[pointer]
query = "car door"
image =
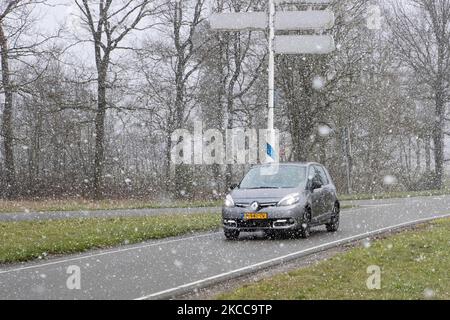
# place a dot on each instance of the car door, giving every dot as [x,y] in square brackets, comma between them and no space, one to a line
[316,195]
[327,191]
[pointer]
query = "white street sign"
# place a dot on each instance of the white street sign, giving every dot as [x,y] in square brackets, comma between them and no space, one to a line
[284,20]
[307,44]
[239,21]
[304,20]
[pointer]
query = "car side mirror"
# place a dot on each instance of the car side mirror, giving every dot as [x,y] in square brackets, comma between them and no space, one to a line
[234,186]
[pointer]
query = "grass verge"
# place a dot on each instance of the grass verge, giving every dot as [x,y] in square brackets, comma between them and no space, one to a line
[414,266]
[89,205]
[23,241]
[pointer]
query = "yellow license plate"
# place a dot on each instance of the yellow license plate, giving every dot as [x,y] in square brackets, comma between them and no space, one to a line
[256,216]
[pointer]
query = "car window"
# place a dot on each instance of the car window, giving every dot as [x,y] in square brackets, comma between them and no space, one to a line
[313,175]
[322,175]
[286,177]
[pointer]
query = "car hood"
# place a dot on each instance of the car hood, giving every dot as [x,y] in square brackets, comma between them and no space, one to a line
[247,196]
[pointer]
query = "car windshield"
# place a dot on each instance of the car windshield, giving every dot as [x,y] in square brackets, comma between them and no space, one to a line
[284,177]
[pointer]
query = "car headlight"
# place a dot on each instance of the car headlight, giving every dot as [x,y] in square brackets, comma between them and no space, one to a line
[289,200]
[229,202]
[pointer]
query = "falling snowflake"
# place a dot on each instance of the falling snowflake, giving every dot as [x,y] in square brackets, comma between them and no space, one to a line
[367,244]
[390,180]
[318,83]
[429,294]
[324,131]
[178,264]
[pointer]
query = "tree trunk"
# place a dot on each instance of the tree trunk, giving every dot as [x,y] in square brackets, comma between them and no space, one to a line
[348,158]
[168,164]
[418,156]
[230,123]
[438,137]
[230,101]
[7,126]
[301,129]
[182,177]
[428,154]
[100,134]
[440,111]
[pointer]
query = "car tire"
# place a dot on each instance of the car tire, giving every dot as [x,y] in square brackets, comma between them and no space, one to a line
[333,226]
[305,229]
[232,235]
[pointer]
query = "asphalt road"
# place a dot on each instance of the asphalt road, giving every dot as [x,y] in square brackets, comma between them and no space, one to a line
[159,269]
[62,215]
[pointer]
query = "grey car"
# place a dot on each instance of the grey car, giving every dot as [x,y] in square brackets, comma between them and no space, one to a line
[276,198]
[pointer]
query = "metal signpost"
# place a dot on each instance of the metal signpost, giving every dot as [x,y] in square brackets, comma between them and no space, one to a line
[295,44]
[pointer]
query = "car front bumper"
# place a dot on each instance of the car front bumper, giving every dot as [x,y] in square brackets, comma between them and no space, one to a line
[279,218]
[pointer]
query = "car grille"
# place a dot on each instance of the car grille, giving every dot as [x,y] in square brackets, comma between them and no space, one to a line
[261,205]
[254,224]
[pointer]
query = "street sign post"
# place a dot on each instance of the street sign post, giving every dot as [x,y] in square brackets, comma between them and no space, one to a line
[282,44]
[270,154]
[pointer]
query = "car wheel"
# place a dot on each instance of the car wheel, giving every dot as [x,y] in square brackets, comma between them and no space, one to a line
[305,229]
[232,235]
[333,226]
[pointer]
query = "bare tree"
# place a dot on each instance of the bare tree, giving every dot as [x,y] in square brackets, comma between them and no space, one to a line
[15,20]
[422,38]
[188,59]
[235,68]
[171,63]
[109,23]
[7,130]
